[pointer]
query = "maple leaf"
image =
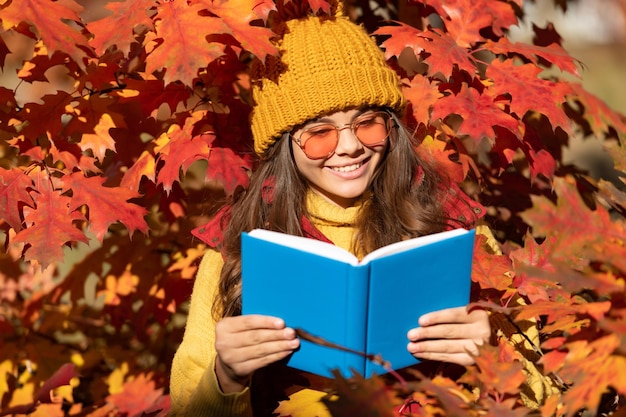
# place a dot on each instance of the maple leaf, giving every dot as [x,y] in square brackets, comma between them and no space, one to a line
[14,185]
[479,112]
[500,368]
[491,271]
[53,110]
[531,93]
[116,287]
[107,205]
[592,367]
[598,114]
[465,18]
[577,230]
[437,49]
[139,395]
[49,225]
[553,53]
[117,28]
[53,31]
[422,94]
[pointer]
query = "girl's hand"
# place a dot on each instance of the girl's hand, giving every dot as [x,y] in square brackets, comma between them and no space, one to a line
[247,343]
[451,335]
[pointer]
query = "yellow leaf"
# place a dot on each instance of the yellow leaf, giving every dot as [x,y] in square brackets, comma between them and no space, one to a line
[100,141]
[115,381]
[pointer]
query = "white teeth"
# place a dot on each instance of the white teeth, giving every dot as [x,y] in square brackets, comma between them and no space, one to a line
[347,168]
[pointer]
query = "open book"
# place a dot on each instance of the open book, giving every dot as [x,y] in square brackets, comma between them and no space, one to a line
[367,306]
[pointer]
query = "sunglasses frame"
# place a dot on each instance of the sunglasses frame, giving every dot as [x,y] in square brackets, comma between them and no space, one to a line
[390,122]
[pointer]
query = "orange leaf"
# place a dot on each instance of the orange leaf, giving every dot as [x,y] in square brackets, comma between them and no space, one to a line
[49,225]
[107,205]
[53,31]
[100,141]
[14,185]
[531,93]
[500,369]
[422,94]
[117,28]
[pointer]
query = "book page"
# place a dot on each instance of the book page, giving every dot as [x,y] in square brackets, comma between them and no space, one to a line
[412,243]
[304,244]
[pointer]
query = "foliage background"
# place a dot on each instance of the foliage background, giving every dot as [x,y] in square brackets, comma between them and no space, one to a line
[123,133]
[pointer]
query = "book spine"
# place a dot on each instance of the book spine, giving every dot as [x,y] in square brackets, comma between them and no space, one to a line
[356,308]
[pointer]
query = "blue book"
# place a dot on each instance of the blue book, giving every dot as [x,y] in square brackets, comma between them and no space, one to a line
[367,306]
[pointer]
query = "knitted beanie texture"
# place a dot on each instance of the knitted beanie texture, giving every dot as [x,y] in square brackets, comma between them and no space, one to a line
[328,65]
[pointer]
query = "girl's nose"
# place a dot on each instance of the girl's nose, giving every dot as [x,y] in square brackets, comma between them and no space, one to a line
[347,143]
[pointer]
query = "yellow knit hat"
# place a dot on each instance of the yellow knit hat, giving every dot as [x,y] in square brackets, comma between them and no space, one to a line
[327,65]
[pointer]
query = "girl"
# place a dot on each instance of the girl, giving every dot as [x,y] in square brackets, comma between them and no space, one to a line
[336,165]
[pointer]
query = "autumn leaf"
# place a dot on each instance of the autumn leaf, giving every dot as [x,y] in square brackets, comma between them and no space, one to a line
[100,141]
[531,93]
[179,148]
[500,368]
[229,168]
[50,27]
[350,395]
[577,230]
[49,225]
[107,205]
[139,395]
[491,271]
[14,185]
[464,19]
[144,166]
[553,53]
[117,28]
[422,94]
[437,49]
[479,112]
[591,367]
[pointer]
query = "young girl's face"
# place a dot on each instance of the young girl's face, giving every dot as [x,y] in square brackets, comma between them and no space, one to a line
[343,176]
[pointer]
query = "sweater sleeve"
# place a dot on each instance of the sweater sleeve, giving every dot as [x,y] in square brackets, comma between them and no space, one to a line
[194,388]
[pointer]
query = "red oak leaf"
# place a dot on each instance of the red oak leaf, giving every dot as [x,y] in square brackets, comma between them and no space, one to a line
[53,31]
[14,185]
[479,112]
[107,205]
[179,148]
[435,149]
[117,28]
[229,168]
[49,225]
[531,93]
[151,94]
[143,166]
[182,45]
[237,15]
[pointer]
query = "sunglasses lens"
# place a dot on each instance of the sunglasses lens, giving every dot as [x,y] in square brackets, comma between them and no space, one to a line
[320,141]
[372,129]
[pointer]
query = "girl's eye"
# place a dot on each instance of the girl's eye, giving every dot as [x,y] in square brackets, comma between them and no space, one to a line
[320,131]
[367,120]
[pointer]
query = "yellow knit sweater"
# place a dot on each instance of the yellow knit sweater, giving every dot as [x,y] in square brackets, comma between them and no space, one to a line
[193,385]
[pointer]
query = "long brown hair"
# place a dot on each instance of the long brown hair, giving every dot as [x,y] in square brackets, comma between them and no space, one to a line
[404,201]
